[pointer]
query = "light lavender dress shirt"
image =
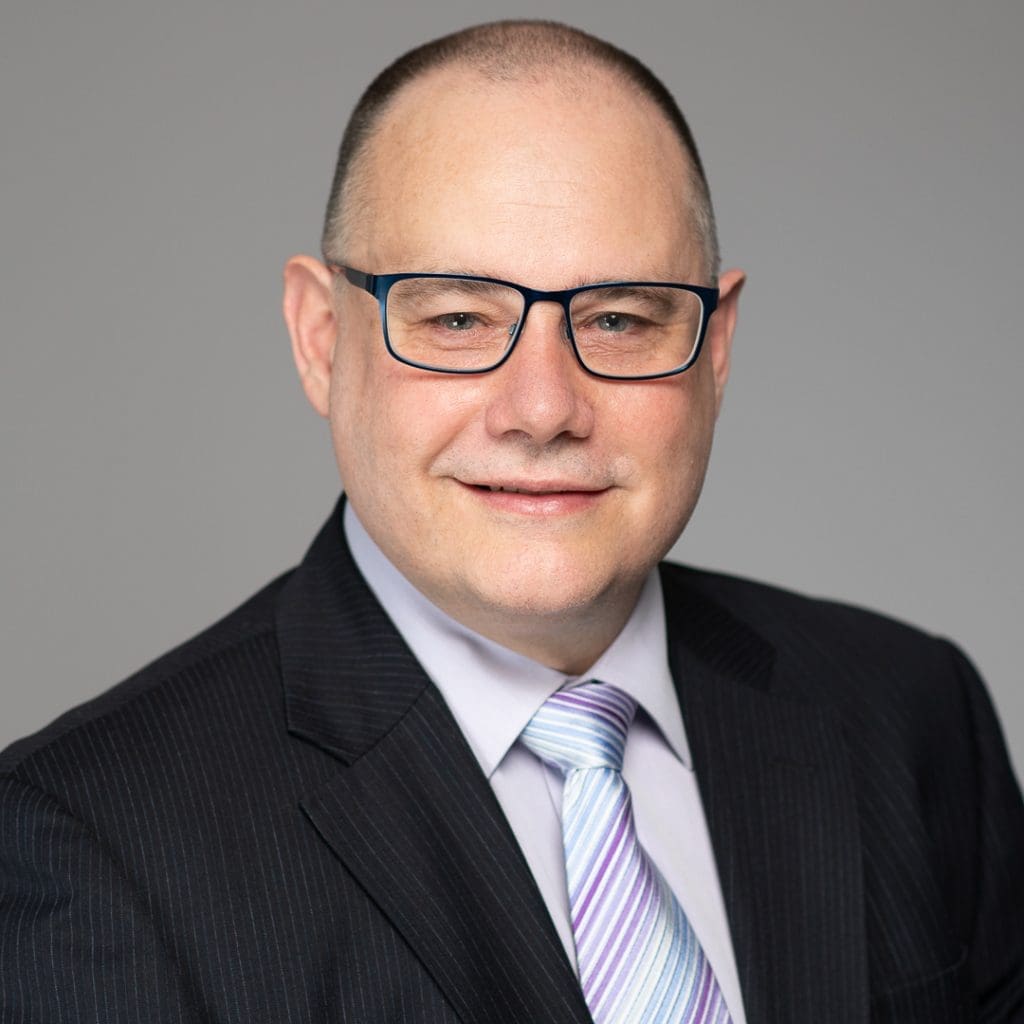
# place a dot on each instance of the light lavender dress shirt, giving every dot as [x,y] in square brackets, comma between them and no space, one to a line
[493,692]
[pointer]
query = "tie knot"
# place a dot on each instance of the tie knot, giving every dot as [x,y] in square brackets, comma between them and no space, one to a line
[584,727]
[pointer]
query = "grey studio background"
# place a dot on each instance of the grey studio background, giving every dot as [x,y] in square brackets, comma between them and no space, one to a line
[160,162]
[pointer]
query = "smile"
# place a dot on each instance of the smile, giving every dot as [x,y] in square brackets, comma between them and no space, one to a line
[538,490]
[518,490]
[540,500]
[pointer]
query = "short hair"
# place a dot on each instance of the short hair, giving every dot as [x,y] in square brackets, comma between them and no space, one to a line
[509,51]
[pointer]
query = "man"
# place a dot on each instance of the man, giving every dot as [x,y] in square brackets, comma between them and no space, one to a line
[351,799]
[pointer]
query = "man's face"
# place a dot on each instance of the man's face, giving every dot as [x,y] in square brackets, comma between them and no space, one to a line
[527,183]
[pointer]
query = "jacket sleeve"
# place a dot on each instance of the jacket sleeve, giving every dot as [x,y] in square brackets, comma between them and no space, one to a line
[77,941]
[997,949]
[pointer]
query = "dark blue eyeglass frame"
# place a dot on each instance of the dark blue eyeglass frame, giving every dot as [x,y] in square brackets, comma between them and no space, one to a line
[378,285]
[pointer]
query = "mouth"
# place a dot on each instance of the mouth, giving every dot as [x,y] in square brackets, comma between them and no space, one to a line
[537,490]
[537,499]
[498,489]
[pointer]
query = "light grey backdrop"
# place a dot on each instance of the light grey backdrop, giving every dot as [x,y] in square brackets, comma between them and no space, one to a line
[160,161]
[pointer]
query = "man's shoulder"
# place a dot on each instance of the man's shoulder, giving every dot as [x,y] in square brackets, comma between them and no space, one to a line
[907,703]
[192,675]
[774,610]
[824,646]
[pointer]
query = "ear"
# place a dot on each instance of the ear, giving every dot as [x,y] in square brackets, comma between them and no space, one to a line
[720,330]
[311,315]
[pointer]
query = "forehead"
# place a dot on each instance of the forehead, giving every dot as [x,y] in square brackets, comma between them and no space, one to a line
[574,177]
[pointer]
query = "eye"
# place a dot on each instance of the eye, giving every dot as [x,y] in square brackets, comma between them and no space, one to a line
[614,323]
[458,321]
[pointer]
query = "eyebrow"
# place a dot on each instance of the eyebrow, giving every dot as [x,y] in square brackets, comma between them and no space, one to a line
[426,286]
[660,299]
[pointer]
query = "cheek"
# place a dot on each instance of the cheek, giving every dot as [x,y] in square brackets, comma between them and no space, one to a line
[357,430]
[673,436]
[673,420]
[389,422]
[364,433]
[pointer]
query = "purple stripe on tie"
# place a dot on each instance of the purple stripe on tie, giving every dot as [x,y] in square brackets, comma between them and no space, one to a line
[715,1004]
[616,720]
[617,714]
[619,836]
[705,989]
[636,919]
[609,710]
[631,911]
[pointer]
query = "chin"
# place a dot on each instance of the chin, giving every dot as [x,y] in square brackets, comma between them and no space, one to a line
[534,587]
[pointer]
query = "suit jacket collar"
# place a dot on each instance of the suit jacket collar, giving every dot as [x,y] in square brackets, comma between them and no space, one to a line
[348,675]
[779,800]
[412,817]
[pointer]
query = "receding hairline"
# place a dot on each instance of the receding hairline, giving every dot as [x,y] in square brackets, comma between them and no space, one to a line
[506,51]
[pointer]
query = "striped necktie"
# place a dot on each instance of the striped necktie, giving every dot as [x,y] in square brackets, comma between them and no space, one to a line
[639,959]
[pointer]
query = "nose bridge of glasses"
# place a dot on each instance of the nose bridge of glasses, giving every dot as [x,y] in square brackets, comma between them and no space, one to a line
[549,316]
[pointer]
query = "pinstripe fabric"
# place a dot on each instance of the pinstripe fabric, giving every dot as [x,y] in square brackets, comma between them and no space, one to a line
[861,805]
[270,825]
[640,960]
[280,821]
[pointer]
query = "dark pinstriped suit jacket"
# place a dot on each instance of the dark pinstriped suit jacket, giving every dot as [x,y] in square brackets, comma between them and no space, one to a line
[281,822]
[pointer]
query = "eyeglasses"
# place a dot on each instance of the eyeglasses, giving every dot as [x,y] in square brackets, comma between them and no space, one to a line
[458,323]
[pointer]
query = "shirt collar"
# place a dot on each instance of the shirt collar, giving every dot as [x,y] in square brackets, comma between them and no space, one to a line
[492,691]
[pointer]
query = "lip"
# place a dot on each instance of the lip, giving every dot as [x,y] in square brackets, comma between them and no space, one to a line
[536,497]
[535,487]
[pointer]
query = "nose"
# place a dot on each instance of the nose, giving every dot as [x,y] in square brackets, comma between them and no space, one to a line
[541,393]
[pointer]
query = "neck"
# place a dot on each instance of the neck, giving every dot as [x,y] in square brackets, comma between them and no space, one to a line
[568,640]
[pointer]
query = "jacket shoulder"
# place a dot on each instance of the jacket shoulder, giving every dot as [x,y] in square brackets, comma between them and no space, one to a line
[870,667]
[789,619]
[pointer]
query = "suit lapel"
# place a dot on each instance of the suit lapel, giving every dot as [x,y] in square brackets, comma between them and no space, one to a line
[409,813]
[780,805]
